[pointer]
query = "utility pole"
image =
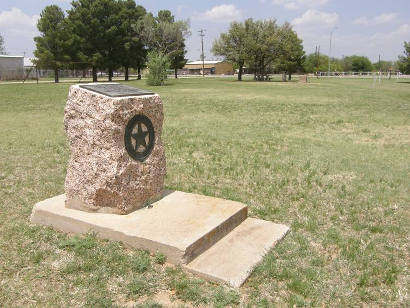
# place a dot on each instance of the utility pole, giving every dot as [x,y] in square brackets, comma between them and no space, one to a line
[202,34]
[317,60]
[380,68]
[330,51]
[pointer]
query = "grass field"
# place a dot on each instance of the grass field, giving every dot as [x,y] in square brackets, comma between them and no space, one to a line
[330,158]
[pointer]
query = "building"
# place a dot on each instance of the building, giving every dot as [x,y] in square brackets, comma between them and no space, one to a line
[211,68]
[11,67]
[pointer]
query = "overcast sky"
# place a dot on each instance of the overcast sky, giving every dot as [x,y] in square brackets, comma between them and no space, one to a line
[363,27]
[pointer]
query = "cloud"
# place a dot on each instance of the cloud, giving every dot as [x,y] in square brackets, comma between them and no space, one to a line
[298,4]
[400,34]
[18,30]
[314,21]
[376,20]
[224,13]
[314,27]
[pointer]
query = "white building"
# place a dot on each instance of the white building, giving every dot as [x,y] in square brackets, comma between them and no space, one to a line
[11,67]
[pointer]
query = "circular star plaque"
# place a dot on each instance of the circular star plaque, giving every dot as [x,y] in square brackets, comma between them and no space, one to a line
[139,137]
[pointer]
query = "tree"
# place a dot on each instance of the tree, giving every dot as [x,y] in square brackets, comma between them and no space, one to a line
[292,55]
[157,63]
[2,48]
[164,34]
[404,61]
[96,27]
[383,66]
[132,52]
[51,46]
[232,46]
[262,46]
[357,64]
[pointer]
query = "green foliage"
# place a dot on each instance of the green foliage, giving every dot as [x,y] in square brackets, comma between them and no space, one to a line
[404,60]
[185,288]
[141,262]
[53,44]
[384,66]
[2,47]
[261,45]
[132,51]
[315,62]
[222,297]
[163,34]
[79,245]
[232,46]
[292,55]
[103,32]
[157,64]
[138,286]
[357,64]
[160,258]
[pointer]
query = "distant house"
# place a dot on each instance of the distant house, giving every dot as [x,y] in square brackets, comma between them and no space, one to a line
[211,67]
[11,67]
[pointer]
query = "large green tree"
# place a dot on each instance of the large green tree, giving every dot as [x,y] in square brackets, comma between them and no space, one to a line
[96,25]
[357,64]
[262,46]
[319,63]
[404,60]
[167,36]
[2,47]
[383,66]
[232,46]
[52,44]
[292,55]
[132,51]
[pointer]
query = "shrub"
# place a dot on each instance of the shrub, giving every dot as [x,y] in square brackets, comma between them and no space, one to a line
[157,64]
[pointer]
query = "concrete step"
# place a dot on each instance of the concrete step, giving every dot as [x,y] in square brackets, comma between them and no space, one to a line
[180,225]
[232,259]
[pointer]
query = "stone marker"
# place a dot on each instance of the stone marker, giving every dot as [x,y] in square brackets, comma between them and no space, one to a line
[117,165]
[117,161]
[303,78]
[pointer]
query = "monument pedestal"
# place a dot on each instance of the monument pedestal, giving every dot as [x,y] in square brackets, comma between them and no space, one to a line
[211,237]
[117,166]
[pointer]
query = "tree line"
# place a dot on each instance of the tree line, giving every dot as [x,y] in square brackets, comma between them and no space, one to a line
[264,47]
[317,62]
[108,35]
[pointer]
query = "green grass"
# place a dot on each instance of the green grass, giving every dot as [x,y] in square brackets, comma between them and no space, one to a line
[330,158]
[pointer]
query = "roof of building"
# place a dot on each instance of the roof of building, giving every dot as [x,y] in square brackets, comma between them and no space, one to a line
[205,62]
[8,56]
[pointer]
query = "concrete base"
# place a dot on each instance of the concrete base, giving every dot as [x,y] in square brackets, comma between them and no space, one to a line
[233,258]
[211,236]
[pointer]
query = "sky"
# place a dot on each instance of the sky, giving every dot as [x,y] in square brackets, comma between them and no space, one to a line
[362,27]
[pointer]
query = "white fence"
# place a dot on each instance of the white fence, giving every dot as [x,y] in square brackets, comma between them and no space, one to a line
[383,75]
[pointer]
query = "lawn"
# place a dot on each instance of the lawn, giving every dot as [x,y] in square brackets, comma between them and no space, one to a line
[330,158]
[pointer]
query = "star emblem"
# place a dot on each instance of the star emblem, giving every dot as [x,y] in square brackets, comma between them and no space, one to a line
[139,137]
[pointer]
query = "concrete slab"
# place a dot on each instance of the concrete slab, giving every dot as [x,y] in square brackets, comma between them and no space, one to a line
[232,259]
[180,225]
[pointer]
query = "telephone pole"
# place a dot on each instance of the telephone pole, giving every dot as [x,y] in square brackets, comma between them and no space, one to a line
[317,52]
[202,34]
[330,51]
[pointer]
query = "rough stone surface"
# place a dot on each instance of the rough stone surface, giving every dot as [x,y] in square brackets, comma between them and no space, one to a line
[101,176]
[303,79]
[232,259]
[180,225]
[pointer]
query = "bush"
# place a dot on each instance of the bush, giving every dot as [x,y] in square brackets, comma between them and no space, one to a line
[157,64]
